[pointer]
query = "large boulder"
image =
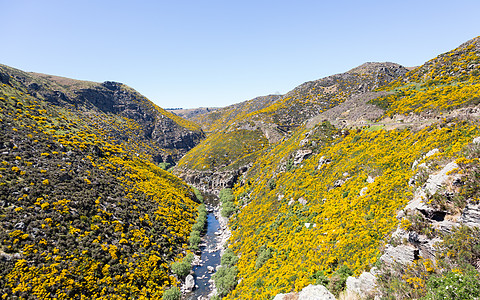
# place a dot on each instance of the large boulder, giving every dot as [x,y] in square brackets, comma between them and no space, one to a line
[189,283]
[402,254]
[363,286]
[315,292]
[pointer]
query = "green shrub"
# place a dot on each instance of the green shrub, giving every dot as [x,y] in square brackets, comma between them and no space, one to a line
[226,195]
[229,258]
[263,256]
[320,278]
[461,247]
[228,208]
[182,268]
[172,293]
[164,165]
[338,280]
[225,279]
[452,285]
[194,238]
[198,194]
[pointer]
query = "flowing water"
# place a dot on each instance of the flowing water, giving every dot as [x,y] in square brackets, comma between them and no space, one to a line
[210,256]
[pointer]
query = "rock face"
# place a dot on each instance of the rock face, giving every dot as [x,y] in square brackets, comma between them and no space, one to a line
[315,292]
[471,215]
[402,254]
[211,182]
[301,155]
[112,97]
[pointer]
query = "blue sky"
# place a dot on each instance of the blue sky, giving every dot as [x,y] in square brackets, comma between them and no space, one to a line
[215,53]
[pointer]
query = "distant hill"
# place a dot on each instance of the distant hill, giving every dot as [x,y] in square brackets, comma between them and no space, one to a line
[191,113]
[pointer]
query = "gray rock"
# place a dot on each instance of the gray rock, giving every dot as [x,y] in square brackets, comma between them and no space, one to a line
[471,215]
[189,283]
[363,191]
[301,155]
[476,140]
[370,179]
[311,292]
[431,152]
[315,292]
[364,285]
[210,269]
[282,296]
[323,161]
[20,226]
[402,254]
[436,181]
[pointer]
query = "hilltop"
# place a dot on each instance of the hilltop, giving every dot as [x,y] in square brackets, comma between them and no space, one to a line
[116,109]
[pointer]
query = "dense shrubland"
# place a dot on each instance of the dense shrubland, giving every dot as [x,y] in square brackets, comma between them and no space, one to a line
[81,215]
[330,215]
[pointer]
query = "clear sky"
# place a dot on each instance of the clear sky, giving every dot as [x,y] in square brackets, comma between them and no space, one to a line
[214,53]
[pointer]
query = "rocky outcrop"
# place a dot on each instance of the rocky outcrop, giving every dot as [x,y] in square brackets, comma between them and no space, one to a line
[300,155]
[211,181]
[363,286]
[471,215]
[310,292]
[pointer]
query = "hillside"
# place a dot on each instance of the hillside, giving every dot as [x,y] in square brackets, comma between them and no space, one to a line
[115,109]
[85,212]
[375,176]
[216,120]
[239,133]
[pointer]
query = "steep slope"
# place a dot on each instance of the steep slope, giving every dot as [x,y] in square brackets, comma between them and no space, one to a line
[118,110]
[216,120]
[323,203]
[449,81]
[81,214]
[241,132]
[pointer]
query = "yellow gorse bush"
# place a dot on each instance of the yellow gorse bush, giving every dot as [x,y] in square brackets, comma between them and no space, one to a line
[337,226]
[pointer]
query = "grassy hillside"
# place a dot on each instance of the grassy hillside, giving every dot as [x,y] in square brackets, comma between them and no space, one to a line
[314,217]
[82,214]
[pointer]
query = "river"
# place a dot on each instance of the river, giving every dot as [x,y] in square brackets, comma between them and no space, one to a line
[210,253]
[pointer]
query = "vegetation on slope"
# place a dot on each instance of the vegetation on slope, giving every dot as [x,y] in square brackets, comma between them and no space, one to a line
[222,149]
[323,203]
[216,120]
[242,132]
[81,216]
[113,108]
[449,81]
[318,216]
